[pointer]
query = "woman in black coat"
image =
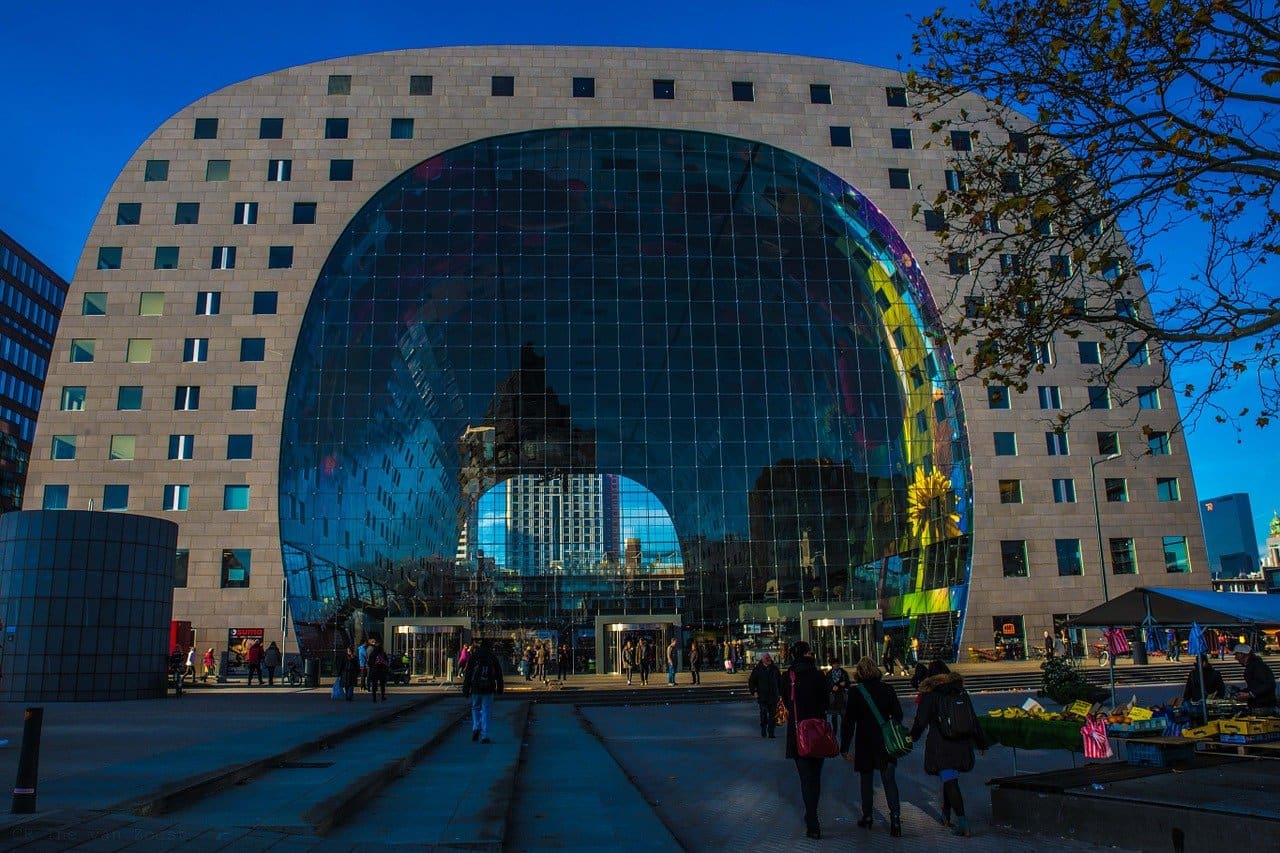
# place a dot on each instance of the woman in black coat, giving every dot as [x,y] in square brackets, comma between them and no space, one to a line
[863,730]
[810,690]
[945,757]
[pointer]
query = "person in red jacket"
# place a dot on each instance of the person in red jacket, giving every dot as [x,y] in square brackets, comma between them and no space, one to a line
[254,658]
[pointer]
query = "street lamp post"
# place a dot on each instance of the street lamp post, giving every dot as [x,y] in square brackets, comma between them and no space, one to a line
[1102,562]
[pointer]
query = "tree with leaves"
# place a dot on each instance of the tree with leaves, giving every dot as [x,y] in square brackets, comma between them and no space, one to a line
[1128,130]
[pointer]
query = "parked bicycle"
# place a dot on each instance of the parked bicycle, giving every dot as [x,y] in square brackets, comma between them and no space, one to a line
[1102,654]
[292,674]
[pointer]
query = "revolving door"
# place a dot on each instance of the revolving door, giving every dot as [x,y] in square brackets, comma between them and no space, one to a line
[431,645]
[843,635]
[613,633]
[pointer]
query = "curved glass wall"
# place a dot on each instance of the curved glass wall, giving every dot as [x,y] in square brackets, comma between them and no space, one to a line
[733,332]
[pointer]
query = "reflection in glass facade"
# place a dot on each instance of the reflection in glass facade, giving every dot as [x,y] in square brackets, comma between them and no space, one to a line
[711,337]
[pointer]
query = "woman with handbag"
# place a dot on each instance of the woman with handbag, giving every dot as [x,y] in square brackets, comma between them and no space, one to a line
[871,703]
[765,685]
[805,693]
[947,712]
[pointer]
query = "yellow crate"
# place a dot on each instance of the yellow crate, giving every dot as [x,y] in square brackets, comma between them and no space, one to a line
[1210,729]
[1247,726]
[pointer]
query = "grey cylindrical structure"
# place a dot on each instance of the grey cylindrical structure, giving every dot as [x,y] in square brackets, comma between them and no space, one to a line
[87,600]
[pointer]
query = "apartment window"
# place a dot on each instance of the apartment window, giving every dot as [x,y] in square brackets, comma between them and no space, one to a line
[664,90]
[420,84]
[895,96]
[304,213]
[1050,397]
[195,350]
[206,128]
[129,398]
[63,447]
[182,447]
[841,137]
[1019,142]
[1111,269]
[1011,182]
[1158,443]
[954,180]
[246,213]
[217,170]
[1011,264]
[279,170]
[341,170]
[280,257]
[335,128]
[181,563]
[122,448]
[1013,557]
[55,497]
[339,84]
[402,128]
[235,498]
[1116,489]
[115,498]
[265,301]
[1070,561]
[1123,560]
[240,447]
[744,90]
[186,213]
[1006,444]
[1139,355]
[973,306]
[1108,443]
[244,398]
[208,303]
[1176,558]
[235,568]
[1064,491]
[961,140]
[899,179]
[1060,266]
[900,137]
[1090,352]
[109,257]
[934,221]
[1056,444]
[1010,491]
[166,258]
[1042,353]
[176,497]
[224,258]
[1167,489]
[186,398]
[93,305]
[1148,397]
[1124,308]
[271,128]
[72,399]
[253,349]
[1099,397]
[82,350]
[819,93]
[997,397]
[957,263]
[1042,225]
[156,170]
[138,350]
[128,213]
[151,304]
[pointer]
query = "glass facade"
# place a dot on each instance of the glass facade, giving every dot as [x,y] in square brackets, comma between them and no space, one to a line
[565,373]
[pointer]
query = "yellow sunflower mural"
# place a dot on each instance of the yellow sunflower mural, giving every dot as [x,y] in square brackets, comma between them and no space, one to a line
[931,508]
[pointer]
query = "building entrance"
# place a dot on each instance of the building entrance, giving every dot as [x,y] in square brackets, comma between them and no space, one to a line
[612,635]
[844,635]
[432,645]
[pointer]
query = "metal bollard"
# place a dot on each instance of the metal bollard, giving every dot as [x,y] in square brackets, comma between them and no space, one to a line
[24,788]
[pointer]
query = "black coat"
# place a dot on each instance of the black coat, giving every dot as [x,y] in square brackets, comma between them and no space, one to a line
[1260,681]
[943,753]
[1213,684]
[811,691]
[860,726]
[766,683]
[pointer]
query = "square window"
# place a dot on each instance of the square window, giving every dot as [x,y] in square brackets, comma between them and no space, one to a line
[402,128]
[502,86]
[217,170]
[961,140]
[341,170]
[55,497]
[109,257]
[1070,560]
[420,84]
[1011,182]
[744,90]
[156,170]
[1099,397]
[1010,264]
[1158,443]
[335,128]
[664,90]
[1139,355]
[997,397]
[279,170]
[151,304]
[819,93]
[1019,143]
[182,447]
[1108,443]
[899,179]
[235,568]
[122,448]
[1148,397]
[1116,489]
[1056,443]
[72,399]
[129,398]
[206,128]
[244,398]
[1006,444]
[1111,269]
[841,136]
[246,213]
[115,498]
[280,257]
[1167,489]
[240,447]
[63,447]
[128,213]
[1123,561]
[1013,558]
[224,258]
[265,301]
[166,258]
[82,350]
[304,213]
[1064,491]
[1050,397]
[895,96]
[176,497]
[954,180]
[94,305]
[235,498]
[186,213]
[1010,491]
[957,263]
[195,350]
[934,221]
[138,351]
[253,349]
[1090,352]
[271,128]
[1042,353]
[186,398]
[900,137]
[1060,266]
[208,303]
[1176,557]
[973,306]
[584,87]
[339,84]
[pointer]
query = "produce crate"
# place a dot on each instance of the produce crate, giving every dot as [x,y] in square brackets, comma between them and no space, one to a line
[1237,738]
[1248,726]
[1137,727]
[1159,752]
[1208,730]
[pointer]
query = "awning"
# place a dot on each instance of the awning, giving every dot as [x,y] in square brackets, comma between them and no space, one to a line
[1179,608]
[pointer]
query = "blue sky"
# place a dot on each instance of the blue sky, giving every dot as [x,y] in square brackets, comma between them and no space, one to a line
[88,82]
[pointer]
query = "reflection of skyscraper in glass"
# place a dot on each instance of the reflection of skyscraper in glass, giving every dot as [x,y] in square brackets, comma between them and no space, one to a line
[556,521]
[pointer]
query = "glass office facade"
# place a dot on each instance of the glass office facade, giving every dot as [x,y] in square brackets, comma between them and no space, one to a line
[565,373]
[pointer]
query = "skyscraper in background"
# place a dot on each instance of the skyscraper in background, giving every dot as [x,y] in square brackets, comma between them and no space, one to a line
[1229,536]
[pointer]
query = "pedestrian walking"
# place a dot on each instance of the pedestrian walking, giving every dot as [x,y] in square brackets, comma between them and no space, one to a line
[695,662]
[1175,646]
[805,694]
[1048,644]
[530,661]
[379,667]
[481,681]
[628,660]
[863,731]
[915,651]
[564,657]
[254,658]
[464,652]
[540,663]
[191,663]
[728,658]
[175,667]
[348,672]
[208,665]
[645,659]
[765,684]
[271,660]
[673,661]
[947,712]
[1222,646]
[362,658]
[1059,647]
[838,679]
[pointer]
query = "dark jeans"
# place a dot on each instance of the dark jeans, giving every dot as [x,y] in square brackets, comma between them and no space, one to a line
[348,685]
[888,779]
[271,676]
[693,671]
[255,669]
[377,680]
[768,722]
[810,770]
[644,673]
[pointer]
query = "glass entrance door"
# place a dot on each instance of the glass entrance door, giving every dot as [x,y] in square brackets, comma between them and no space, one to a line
[430,649]
[845,640]
[656,635]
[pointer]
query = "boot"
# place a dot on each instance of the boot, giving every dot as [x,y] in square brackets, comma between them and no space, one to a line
[895,825]
[962,827]
[865,821]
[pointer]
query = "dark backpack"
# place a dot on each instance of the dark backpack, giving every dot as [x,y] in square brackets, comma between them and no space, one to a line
[956,717]
[482,680]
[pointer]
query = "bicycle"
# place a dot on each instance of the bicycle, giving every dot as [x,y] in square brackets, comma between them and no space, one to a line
[1102,653]
[292,675]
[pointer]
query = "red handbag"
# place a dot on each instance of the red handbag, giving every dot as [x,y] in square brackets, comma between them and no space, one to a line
[814,737]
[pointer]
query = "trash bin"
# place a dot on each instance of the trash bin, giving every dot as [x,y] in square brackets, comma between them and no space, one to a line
[311,672]
[1140,652]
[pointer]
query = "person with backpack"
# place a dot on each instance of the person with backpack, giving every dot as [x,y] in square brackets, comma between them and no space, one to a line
[863,729]
[481,681]
[947,712]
